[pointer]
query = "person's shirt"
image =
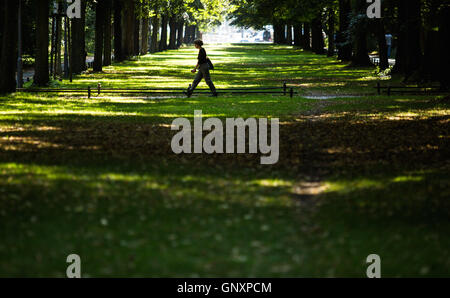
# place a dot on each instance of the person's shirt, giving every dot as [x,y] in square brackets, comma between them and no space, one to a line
[388,39]
[202,56]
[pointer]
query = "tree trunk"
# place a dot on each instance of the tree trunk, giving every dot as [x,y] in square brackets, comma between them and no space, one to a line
[8,58]
[343,42]
[361,54]
[279,33]
[432,60]
[382,46]
[173,33]
[154,47]
[180,34]
[306,44]
[107,34]
[137,30]
[413,46]
[331,32]
[78,41]
[144,35]
[58,46]
[400,57]
[444,39]
[41,73]
[128,29]
[289,35]
[189,34]
[298,35]
[409,54]
[318,44]
[118,54]
[2,24]
[163,42]
[99,32]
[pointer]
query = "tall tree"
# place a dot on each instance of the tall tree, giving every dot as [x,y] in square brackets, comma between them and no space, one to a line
[41,73]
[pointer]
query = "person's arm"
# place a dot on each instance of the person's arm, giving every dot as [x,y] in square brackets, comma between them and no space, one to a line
[198,64]
[195,68]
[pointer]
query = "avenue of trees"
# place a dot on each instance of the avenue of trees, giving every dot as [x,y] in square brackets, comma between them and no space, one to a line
[122,29]
[110,29]
[421,29]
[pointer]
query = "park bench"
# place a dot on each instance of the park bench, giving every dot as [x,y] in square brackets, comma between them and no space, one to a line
[283,90]
[407,89]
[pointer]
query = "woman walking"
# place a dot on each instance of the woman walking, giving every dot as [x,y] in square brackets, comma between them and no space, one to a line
[203,70]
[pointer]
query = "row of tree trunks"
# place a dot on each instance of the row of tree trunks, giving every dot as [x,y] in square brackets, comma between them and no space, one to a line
[8,51]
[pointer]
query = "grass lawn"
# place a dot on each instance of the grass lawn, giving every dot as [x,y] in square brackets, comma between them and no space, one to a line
[96,177]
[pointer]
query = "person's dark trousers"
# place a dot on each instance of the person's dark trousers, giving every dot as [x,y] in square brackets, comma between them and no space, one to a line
[203,73]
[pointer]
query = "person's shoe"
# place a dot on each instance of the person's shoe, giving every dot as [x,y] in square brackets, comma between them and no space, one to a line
[189,92]
[214,95]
